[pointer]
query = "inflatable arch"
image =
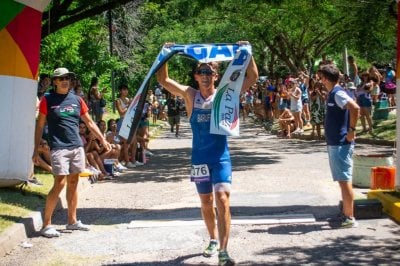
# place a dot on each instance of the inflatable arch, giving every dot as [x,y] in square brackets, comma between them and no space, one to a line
[20,35]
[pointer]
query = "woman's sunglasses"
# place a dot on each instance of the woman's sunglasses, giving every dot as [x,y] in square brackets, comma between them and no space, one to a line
[204,71]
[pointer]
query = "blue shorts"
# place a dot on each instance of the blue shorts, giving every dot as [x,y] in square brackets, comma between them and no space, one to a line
[341,162]
[144,123]
[219,173]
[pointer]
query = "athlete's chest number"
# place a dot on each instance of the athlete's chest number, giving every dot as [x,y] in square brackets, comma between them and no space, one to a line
[200,173]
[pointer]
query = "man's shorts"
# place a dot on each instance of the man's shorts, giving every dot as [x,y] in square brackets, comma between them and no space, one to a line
[219,173]
[174,120]
[341,162]
[68,161]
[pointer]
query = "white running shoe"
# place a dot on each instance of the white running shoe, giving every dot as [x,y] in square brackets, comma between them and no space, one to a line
[121,167]
[138,163]
[148,153]
[130,165]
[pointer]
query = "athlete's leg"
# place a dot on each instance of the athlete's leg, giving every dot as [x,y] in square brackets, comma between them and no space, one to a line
[224,217]
[208,213]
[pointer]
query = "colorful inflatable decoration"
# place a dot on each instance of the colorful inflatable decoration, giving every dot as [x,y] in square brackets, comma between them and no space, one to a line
[20,31]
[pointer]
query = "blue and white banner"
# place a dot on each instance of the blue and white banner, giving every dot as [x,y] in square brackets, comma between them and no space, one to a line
[225,109]
[225,120]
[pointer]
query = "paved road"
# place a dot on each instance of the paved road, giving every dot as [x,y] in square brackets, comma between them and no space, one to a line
[271,177]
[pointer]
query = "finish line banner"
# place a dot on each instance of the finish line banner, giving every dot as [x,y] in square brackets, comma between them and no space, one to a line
[225,113]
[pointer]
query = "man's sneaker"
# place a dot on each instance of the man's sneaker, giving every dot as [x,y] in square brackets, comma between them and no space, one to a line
[349,222]
[211,249]
[130,165]
[224,259]
[120,167]
[138,163]
[78,226]
[49,232]
[148,153]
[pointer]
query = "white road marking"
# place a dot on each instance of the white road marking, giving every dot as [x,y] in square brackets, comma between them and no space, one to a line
[236,220]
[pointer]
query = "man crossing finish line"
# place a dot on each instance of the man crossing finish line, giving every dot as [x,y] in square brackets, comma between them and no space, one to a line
[211,163]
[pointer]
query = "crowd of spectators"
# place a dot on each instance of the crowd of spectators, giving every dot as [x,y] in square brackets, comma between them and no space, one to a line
[101,164]
[293,103]
[298,101]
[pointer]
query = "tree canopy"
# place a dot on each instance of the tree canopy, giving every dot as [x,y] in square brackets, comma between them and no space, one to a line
[287,36]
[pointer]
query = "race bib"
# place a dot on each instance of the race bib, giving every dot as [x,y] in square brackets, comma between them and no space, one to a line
[200,173]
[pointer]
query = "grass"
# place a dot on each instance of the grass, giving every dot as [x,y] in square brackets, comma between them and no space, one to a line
[16,203]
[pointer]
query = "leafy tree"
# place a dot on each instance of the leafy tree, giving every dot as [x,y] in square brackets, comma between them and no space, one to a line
[62,13]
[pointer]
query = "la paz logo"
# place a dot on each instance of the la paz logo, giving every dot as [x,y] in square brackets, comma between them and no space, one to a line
[227,115]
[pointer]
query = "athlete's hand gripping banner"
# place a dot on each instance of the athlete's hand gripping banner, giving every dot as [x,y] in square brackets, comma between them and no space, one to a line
[225,113]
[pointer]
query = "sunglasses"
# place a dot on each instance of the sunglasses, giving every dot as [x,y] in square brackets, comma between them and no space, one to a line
[204,71]
[63,78]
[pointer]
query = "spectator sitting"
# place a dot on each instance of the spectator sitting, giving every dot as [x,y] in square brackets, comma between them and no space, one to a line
[115,151]
[44,161]
[286,123]
[128,152]
[92,156]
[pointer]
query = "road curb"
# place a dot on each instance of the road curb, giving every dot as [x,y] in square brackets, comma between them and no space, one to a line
[30,225]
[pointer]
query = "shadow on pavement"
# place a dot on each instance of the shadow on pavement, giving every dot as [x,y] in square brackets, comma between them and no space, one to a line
[110,216]
[349,250]
[177,261]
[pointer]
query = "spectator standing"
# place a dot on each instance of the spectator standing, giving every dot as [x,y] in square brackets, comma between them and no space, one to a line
[353,71]
[128,150]
[43,85]
[390,85]
[305,99]
[295,104]
[351,90]
[340,129]
[269,100]
[62,111]
[158,93]
[283,98]
[95,95]
[364,100]
[174,117]
[317,108]
[155,110]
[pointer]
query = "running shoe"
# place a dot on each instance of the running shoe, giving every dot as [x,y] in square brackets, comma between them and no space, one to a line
[349,222]
[130,165]
[211,249]
[138,163]
[224,259]
[148,153]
